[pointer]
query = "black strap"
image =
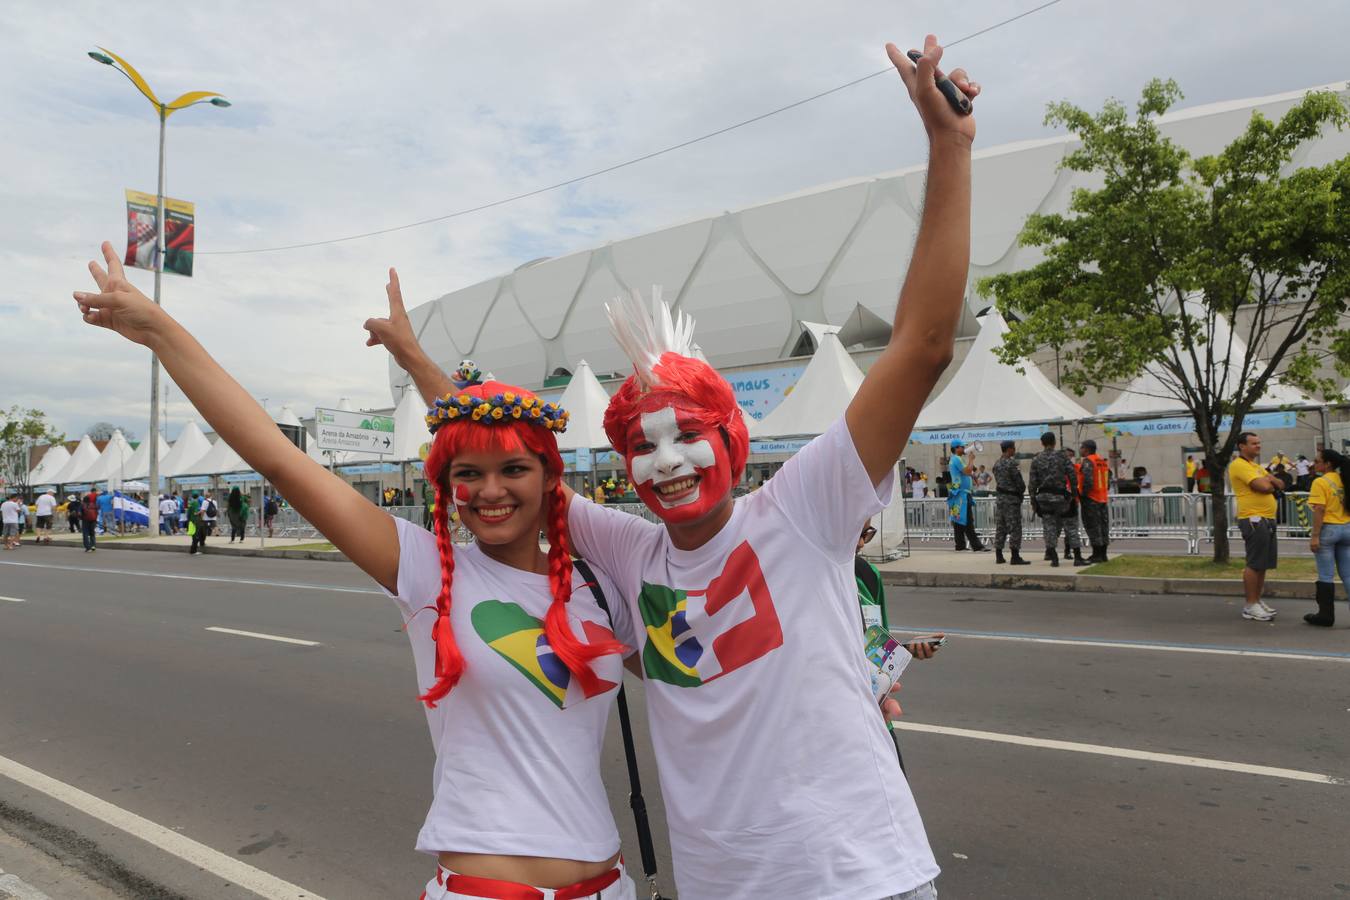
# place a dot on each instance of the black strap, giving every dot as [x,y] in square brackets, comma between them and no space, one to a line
[635,799]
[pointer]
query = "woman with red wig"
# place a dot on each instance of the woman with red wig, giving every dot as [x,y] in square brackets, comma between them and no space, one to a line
[516,661]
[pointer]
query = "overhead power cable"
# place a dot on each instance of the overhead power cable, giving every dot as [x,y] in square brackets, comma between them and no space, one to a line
[613,168]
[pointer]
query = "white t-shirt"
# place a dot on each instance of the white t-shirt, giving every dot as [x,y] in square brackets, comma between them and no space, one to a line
[920,488]
[167,507]
[1302,467]
[46,503]
[9,513]
[778,775]
[517,744]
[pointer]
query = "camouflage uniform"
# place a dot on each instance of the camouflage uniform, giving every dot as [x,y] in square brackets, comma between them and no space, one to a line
[1008,507]
[1096,520]
[1054,490]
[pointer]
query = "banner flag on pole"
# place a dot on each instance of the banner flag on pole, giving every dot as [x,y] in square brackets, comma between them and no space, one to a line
[179,233]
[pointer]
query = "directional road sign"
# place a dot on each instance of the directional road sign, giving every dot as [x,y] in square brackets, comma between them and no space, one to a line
[339,429]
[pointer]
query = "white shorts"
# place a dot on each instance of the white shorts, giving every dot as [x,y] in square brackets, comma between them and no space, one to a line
[439,888]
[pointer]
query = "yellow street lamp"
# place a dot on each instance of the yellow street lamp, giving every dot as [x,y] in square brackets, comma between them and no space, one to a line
[191,98]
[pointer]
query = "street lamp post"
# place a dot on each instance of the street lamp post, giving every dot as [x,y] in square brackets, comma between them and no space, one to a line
[191,98]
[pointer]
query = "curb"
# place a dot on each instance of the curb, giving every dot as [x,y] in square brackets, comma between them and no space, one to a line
[12,888]
[280,553]
[1099,584]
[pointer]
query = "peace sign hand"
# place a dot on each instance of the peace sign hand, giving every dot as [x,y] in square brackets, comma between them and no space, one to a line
[120,305]
[921,80]
[394,332]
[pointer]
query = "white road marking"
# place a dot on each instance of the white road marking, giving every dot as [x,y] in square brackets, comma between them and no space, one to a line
[14,599]
[1124,753]
[265,637]
[192,852]
[1137,645]
[258,581]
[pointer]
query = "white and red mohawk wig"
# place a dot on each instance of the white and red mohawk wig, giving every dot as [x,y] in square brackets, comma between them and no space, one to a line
[668,369]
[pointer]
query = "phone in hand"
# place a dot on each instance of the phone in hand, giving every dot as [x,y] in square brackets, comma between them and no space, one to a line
[932,642]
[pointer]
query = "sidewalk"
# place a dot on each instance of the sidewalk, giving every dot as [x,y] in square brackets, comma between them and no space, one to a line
[217,545]
[950,568]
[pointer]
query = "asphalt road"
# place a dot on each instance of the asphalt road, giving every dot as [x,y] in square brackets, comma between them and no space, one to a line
[312,763]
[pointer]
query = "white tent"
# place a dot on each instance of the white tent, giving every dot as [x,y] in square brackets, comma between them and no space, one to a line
[286,416]
[111,464]
[410,428]
[191,446]
[139,464]
[818,398]
[585,401]
[52,462]
[85,455]
[220,459]
[1150,393]
[987,391]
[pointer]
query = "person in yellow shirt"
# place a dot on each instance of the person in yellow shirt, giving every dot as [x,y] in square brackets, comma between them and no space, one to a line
[1279,459]
[1255,490]
[1330,541]
[1191,468]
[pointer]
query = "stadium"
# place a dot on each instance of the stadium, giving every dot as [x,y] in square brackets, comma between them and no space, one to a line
[765,282]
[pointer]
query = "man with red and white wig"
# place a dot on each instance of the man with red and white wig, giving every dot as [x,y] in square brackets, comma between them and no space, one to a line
[778,776]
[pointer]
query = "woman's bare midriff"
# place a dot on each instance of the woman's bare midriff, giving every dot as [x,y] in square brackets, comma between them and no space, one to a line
[540,871]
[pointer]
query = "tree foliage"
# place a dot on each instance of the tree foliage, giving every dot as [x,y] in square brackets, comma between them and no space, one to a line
[20,431]
[1144,271]
[103,431]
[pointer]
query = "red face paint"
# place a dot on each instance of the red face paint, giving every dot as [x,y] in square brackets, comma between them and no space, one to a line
[462,495]
[680,467]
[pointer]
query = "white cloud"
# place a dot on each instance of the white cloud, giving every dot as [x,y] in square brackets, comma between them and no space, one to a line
[359,116]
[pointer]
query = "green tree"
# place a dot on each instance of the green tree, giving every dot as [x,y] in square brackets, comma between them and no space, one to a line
[1143,272]
[103,431]
[20,431]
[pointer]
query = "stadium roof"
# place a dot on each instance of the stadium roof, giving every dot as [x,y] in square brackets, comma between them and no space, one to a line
[750,277]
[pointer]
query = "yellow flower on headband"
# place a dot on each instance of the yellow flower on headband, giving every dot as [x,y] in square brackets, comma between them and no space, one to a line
[465,399]
[509,397]
[477,414]
[497,413]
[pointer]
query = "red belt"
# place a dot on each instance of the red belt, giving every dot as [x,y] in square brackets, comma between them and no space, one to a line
[494,889]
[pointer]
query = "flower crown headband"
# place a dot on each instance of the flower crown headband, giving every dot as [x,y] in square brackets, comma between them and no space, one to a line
[502,408]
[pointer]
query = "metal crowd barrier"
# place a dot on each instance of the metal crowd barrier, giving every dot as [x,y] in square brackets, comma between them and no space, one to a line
[1183,517]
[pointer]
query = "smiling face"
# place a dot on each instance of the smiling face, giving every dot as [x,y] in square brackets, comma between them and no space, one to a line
[499,496]
[679,466]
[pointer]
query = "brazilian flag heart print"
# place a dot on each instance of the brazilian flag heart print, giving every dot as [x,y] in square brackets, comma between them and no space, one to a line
[519,638]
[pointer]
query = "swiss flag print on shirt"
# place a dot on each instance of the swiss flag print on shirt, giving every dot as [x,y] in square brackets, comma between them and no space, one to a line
[697,636]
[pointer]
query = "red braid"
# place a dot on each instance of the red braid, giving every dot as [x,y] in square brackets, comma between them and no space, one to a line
[574,653]
[449,661]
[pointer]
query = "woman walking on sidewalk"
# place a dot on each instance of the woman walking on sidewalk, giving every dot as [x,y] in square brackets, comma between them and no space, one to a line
[234,510]
[516,662]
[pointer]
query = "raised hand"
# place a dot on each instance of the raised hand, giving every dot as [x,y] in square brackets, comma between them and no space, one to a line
[119,305]
[921,80]
[394,332]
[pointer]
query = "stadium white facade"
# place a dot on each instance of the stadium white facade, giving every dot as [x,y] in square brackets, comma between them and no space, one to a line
[755,278]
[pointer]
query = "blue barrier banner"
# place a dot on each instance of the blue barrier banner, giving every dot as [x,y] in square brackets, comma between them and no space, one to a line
[368,468]
[777,446]
[1186,425]
[970,435]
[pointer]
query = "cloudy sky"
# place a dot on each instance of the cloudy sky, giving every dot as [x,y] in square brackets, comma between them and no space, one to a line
[361,115]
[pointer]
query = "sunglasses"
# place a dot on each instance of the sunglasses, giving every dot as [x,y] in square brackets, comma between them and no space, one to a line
[868,533]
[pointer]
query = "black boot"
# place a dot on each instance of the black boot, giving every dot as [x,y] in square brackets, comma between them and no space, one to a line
[1050,554]
[1053,557]
[1017,559]
[1326,611]
[1078,558]
[1099,553]
[998,557]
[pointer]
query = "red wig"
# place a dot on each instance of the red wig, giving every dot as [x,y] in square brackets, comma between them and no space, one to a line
[693,384]
[517,436]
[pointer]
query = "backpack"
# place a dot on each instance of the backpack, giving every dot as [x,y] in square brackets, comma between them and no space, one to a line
[270,507]
[89,511]
[210,509]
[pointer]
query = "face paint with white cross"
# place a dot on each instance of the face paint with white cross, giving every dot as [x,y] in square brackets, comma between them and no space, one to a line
[671,468]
